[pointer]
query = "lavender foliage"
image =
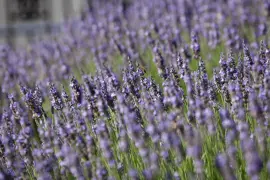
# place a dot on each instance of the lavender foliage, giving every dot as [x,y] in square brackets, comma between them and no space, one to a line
[137,89]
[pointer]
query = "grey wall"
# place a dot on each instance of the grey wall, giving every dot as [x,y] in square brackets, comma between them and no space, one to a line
[53,13]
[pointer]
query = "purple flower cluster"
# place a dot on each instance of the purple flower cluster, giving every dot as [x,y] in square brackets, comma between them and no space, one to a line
[127,92]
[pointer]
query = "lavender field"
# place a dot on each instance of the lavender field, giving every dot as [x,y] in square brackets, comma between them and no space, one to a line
[141,89]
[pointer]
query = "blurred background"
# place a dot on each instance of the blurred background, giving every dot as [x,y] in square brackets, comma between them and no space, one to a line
[23,20]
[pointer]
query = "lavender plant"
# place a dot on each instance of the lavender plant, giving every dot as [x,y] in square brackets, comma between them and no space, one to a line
[138,89]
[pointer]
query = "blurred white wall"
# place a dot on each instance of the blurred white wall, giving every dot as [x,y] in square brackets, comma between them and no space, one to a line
[17,27]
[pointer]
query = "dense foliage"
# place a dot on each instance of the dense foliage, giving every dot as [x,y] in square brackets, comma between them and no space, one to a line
[143,89]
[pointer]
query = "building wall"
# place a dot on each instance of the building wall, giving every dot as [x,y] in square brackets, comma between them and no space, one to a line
[17,31]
